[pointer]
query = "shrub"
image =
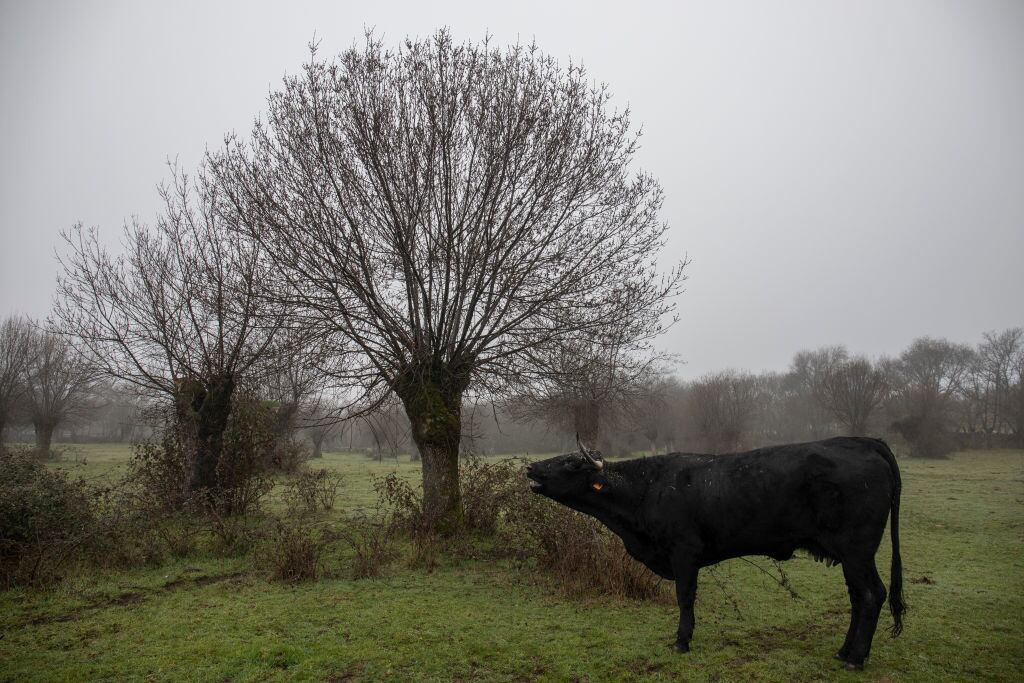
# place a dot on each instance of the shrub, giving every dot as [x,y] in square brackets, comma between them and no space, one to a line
[577,550]
[159,470]
[580,553]
[128,534]
[287,456]
[926,438]
[292,550]
[245,465]
[45,519]
[313,490]
[371,541]
[400,504]
[488,489]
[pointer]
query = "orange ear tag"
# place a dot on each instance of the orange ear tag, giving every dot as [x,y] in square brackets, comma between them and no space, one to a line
[597,486]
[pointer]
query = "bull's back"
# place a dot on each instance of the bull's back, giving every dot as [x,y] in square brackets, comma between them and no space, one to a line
[774,499]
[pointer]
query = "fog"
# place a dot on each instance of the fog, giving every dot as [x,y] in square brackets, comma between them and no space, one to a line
[837,172]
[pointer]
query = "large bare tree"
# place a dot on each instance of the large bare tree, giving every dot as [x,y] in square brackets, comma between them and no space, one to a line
[182,312]
[445,209]
[15,354]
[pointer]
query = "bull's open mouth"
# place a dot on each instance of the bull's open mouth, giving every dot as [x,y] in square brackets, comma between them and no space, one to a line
[535,485]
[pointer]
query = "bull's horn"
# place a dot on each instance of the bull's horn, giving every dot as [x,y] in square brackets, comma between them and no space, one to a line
[599,464]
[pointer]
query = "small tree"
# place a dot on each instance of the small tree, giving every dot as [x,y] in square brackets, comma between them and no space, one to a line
[443,210]
[587,386]
[59,384]
[723,406]
[852,390]
[929,376]
[656,411]
[990,383]
[183,313]
[15,355]
[804,386]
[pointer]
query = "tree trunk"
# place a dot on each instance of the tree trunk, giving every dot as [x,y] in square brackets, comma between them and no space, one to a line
[206,410]
[433,404]
[44,435]
[318,446]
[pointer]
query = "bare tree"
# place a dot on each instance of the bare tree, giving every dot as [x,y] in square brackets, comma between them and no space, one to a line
[183,313]
[656,411]
[444,210]
[852,390]
[320,423]
[59,384]
[929,376]
[294,378]
[15,354]
[805,387]
[773,424]
[1015,410]
[723,406]
[388,429]
[585,386]
[990,383]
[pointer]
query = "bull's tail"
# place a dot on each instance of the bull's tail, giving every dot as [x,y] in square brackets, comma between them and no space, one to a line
[896,604]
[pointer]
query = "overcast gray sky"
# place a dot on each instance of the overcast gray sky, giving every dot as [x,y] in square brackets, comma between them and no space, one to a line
[839,172]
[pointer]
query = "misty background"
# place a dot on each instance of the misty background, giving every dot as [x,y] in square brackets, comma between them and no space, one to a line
[839,173]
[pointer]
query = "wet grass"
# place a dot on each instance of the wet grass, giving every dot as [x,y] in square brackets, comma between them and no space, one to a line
[209,618]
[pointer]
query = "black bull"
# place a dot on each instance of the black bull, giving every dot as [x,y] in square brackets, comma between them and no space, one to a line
[679,512]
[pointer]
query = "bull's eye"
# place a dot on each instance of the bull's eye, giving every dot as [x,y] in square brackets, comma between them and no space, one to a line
[597,486]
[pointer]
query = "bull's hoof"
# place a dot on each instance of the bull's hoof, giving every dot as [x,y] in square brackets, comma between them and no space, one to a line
[840,656]
[850,666]
[680,646]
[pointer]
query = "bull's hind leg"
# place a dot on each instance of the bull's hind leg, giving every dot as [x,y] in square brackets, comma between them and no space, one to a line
[844,652]
[867,595]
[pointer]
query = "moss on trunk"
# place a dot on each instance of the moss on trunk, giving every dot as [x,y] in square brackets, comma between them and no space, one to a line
[432,397]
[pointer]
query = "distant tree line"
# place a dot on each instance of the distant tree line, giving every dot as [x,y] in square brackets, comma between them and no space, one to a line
[934,397]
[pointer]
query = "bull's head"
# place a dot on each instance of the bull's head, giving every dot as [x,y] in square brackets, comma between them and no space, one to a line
[569,478]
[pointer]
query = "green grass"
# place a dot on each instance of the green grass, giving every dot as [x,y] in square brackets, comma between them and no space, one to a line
[218,619]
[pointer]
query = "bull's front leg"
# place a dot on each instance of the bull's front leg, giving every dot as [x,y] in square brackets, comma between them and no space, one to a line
[685,571]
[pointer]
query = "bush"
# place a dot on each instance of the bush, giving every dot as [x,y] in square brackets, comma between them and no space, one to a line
[577,550]
[246,460]
[45,519]
[371,543]
[287,456]
[292,550]
[313,490]
[488,490]
[400,504]
[160,469]
[925,437]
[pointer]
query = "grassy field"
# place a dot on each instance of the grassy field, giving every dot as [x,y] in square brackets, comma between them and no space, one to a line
[210,618]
